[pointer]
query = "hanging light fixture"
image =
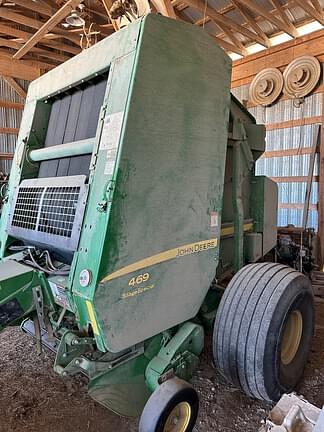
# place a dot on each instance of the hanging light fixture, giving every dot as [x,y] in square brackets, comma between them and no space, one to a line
[75,18]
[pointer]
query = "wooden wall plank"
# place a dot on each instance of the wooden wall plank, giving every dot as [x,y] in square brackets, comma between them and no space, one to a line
[11,105]
[297,206]
[294,123]
[287,152]
[279,56]
[6,156]
[9,130]
[292,179]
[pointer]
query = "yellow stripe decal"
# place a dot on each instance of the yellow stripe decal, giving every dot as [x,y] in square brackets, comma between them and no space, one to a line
[230,230]
[92,318]
[180,251]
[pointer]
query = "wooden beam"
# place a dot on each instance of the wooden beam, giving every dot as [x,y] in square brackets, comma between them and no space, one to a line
[9,130]
[11,105]
[36,24]
[251,21]
[221,42]
[279,56]
[47,27]
[17,69]
[318,16]
[292,179]
[10,43]
[182,16]
[219,18]
[257,8]
[228,46]
[24,36]
[311,166]
[282,13]
[297,206]
[286,152]
[107,5]
[165,8]
[293,123]
[17,88]
[6,156]
[28,61]
[321,191]
[316,4]
[41,8]
[231,36]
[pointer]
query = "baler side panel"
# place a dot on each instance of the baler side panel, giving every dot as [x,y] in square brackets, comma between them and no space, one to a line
[168,197]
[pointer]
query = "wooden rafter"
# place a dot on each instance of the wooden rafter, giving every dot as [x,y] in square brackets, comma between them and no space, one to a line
[48,10]
[10,43]
[228,46]
[250,20]
[318,16]
[17,88]
[165,8]
[258,9]
[18,69]
[223,20]
[282,13]
[107,5]
[28,61]
[182,16]
[317,6]
[36,24]
[41,8]
[23,36]
[221,42]
[47,27]
[231,36]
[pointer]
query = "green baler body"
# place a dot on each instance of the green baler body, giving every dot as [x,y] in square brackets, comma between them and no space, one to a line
[150,238]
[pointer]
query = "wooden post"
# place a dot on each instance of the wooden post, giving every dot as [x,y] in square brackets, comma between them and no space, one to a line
[321,193]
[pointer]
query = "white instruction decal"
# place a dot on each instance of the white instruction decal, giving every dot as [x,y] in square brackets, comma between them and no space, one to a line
[111,131]
[214,219]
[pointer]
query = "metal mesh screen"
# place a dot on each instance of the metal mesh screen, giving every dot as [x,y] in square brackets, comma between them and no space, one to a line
[50,210]
[45,213]
[58,210]
[26,210]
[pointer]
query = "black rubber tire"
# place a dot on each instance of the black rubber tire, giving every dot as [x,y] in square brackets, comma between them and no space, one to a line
[249,327]
[163,400]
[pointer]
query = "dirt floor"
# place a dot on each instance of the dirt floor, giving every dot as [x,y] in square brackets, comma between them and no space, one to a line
[33,398]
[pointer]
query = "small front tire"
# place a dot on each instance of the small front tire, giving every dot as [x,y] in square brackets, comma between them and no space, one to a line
[172,407]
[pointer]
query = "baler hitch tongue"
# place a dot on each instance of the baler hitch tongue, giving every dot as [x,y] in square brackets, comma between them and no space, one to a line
[16,292]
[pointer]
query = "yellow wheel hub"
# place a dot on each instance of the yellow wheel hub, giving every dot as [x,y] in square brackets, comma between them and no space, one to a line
[179,418]
[292,335]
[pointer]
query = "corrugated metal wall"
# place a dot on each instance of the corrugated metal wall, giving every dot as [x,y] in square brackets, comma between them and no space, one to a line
[10,118]
[292,193]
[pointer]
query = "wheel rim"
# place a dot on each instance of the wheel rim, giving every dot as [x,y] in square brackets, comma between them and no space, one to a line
[179,418]
[292,335]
